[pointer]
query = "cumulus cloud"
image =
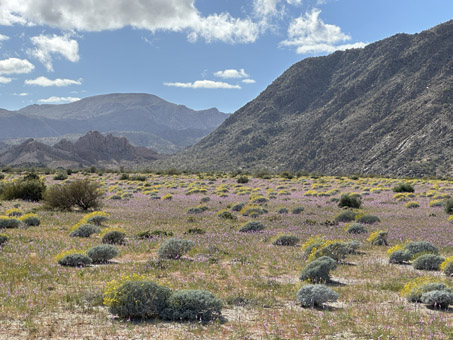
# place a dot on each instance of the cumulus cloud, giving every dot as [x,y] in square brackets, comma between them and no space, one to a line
[46,82]
[153,15]
[231,73]
[58,100]
[3,37]
[15,66]
[309,34]
[22,94]
[204,84]
[4,80]
[249,81]
[46,46]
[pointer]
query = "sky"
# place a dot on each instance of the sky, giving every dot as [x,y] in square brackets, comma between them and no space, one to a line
[199,53]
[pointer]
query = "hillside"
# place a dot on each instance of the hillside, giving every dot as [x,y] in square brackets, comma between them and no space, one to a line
[147,119]
[384,109]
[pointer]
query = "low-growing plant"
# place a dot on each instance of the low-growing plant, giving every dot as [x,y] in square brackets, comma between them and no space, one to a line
[318,270]
[403,187]
[378,238]
[102,253]
[286,240]
[421,247]
[75,259]
[313,242]
[335,249]
[237,206]
[148,234]
[98,219]
[3,239]
[242,179]
[345,216]
[428,262]
[9,222]
[297,210]
[174,248]
[316,295]
[349,201]
[399,257]
[123,177]
[114,237]
[252,227]
[192,305]
[253,211]
[282,210]
[367,219]
[414,289]
[447,266]
[195,231]
[31,220]
[226,215]
[14,212]
[356,228]
[437,299]
[448,206]
[85,230]
[412,204]
[60,176]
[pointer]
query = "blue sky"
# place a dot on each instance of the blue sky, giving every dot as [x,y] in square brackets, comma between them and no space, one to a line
[200,53]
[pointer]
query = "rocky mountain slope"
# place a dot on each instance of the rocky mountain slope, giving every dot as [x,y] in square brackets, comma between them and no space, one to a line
[92,149]
[383,109]
[147,119]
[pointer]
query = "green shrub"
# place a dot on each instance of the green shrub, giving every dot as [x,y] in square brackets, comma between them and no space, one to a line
[356,228]
[345,216]
[403,187]
[238,206]
[80,193]
[226,215]
[9,222]
[318,270]
[448,268]
[61,176]
[192,305]
[415,294]
[139,178]
[448,206]
[428,262]
[243,179]
[414,248]
[114,237]
[31,220]
[102,253]
[195,231]
[29,188]
[298,210]
[148,234]
[346,200]
[195,210]
[85,230]
[438,299]
[3,239]
[336,250]
[282,211]
[316,295]
[205,199]
[378,238]
[412,205]
[97,220]
[286,240]
[253,211]
[399,257]
[75,260]
[123,177]
[352,246]
[174,248]
[368,219]
[252,227]
[139,300]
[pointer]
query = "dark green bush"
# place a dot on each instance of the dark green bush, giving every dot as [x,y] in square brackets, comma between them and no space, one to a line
[318,270]
[316,295]
[252,227]
[140,300]
[448,206]
[243,179]
[114,237]
[438,299]
[226,215]
[195,210]
[123,177]
[195,231]
[61,176]
[368,219]
[414,248]
[282,211]
[345,216]
[403,187]
[356,228]
[80,193]
[9,223]
[29,188]
[85,230]
[3,239]
[298,210]
[151,233]
[448,270]
[286,240]
[97,220]
[139,178]
[335,250]
[75,260]
[192,305]
[102,253]
[399,257]
[174,248]
[349,201]
[428,262]
[238,206]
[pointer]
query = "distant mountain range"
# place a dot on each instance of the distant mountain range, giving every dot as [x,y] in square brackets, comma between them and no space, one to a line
[92,149]
[145,119]
[384,109]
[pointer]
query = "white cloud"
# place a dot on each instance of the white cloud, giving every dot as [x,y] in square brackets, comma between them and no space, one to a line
[4,80]
[3,37]
[46,46]
[15,66]
[153,15]
[46,82]
[249,81]
[58,100]
[309,34]
[231,73]
[22,94]
[204,84]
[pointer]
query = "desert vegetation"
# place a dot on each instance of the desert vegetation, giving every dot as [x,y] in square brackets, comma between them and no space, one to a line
[215,256]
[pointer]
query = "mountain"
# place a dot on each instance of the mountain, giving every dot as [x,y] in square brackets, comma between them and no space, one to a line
[165,126]
[384,109]
[92,149]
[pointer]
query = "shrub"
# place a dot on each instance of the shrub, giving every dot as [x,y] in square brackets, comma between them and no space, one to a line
[315,295]
[310,244]
[174,248]
[29,188]
[9,222]
[437,298]
[102,253]
[282,211]
[334,249]
[114,237]
[205,199]
[85,230]
[356,228]
[448,206]
[3,239]
[352,246]
[346,200]
[318,270]
[75,260]
[298,210]
[399,257]
[123,177]
[253,210]
[192,305]
[226,215]
[378,238]
[412,204]
[14,212]
[61,176]
[414,290]
[403,187]
[167,197]
[243,179]
[428,262]
[286,240]
[81,193]
[345,216]
[136,299]
[151,233]
[238,206]
[413,248]
[368,219]
[195,231]
[252,227]
[97,219]
[31,220]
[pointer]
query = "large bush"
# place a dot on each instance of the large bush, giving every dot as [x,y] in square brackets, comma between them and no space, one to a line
[448,206]
[413,248]
[102,253]
[114,237]
[192,305]
[315,295]
[85,230]
[9,222]
[350,201]
[318,270]
[428,262]
[28,188]
[403,187]
[438,299]
[174,248]
[81,193]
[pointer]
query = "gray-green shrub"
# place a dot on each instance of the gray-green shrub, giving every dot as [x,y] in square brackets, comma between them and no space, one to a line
[316,295]
[399,257]
[75,260]
[286,240]
[298,210]
[252,227]
[85,230]
[368,219]
[318,270]
[3,239]
[349,201]
[114,237]
[438,299]
[416,294]
[356,228]
[174,248]
[428,262]
[345,216]
[9,223]
[102,253]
